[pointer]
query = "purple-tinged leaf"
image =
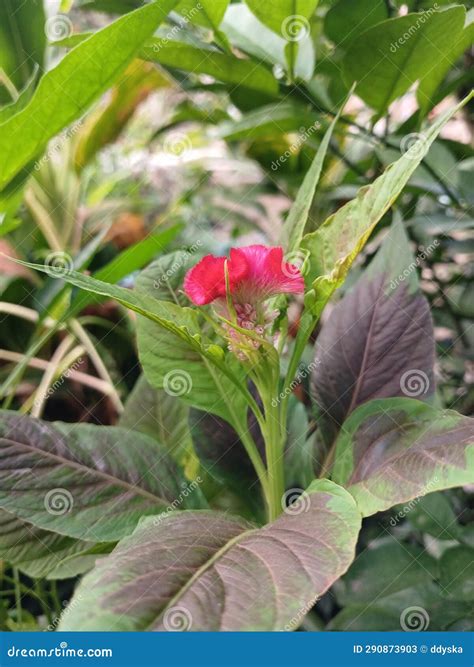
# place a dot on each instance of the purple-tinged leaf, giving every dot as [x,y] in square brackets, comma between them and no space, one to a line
[89,482]
[393,450]
[209,571]
[378,342]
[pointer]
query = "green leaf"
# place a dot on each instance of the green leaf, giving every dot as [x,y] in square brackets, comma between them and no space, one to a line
[390,57]
[38,553]
[346,19]
[334,246]
[269,120]
[383,569]
[227,68]
[89,482]
[395,449]
[445,60]
[22,42]
[206,13]
[162,416]
[294,226]
[378,342]
[286,18]
[209,571]
[248,34]
[22,100]
[299,448]
[457,574]
[85,73]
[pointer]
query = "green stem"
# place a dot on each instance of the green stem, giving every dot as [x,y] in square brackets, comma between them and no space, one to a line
[275,463]
[19,611]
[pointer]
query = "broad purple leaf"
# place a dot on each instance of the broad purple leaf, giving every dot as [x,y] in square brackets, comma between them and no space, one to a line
[209,571]
[89,482]
[393,450]
[378,342]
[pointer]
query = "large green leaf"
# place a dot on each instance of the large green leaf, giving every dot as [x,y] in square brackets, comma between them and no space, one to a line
[346,19]
[390,57]
[22,42]
[378,341]
[395,449]
[89,482]
[227,68]
[208,571]
[85,73]
[334,246]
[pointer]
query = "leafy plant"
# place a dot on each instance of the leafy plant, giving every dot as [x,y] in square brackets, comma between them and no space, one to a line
[256,447]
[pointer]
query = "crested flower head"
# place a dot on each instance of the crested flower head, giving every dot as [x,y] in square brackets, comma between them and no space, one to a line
[253,274]
[256,273]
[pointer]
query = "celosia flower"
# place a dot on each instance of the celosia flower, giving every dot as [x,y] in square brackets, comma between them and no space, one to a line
[255,273]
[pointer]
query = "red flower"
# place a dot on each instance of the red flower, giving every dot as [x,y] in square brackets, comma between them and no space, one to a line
[256,273]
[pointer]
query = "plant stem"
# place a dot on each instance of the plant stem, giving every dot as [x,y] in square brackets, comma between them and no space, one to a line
[275,469]
[19,611]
